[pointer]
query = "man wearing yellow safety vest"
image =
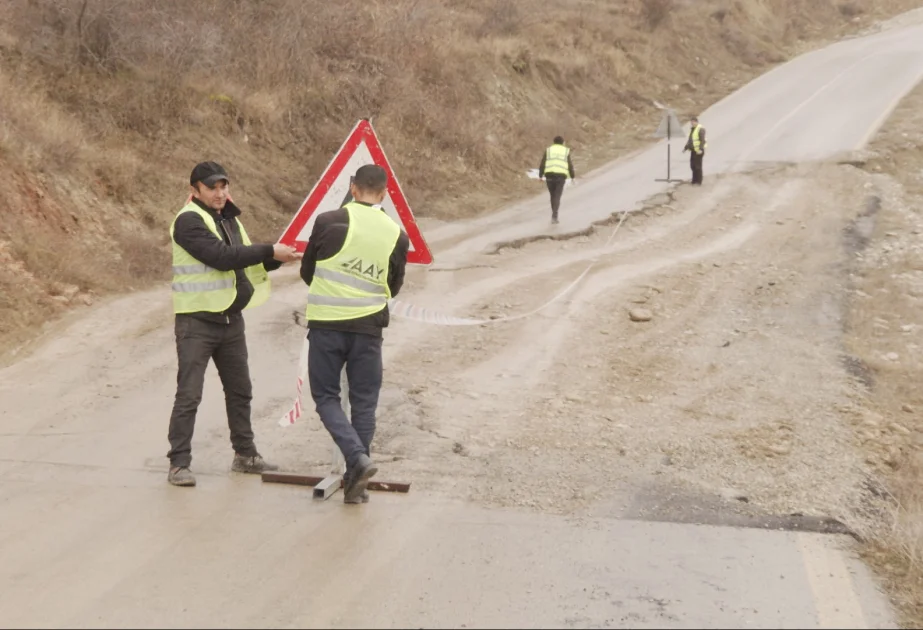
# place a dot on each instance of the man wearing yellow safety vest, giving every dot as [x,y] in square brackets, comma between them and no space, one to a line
[217,273]
[696,144]
[354,263]
[556,166]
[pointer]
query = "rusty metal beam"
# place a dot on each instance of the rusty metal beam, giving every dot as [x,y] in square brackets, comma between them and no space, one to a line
[308,480]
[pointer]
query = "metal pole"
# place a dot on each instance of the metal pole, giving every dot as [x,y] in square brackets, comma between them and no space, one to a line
[669,136]
[668,160]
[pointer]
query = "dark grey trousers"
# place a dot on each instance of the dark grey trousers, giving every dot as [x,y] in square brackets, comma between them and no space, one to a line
[695,164]
[555,185]
[197,342]
[328,352]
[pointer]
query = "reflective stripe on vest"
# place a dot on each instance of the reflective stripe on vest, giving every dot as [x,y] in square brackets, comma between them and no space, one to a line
[353,282]
[696,136]
[182,270]
[556,160]
[199,288]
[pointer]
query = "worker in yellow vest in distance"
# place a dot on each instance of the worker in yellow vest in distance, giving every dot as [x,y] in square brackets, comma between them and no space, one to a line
[556,166]
[696,144]
[354,264]
[217,273]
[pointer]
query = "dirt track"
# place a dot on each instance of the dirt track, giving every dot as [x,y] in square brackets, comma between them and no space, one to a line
[736,386]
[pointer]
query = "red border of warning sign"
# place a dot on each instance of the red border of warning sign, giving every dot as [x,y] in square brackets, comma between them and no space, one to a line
[363,131]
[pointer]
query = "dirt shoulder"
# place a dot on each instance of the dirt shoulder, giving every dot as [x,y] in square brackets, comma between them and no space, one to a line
[885,332]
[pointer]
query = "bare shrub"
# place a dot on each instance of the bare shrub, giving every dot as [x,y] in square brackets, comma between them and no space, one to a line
[850,9]
[53,256]
[502,18]
[96,39]
[655,12]
[142,258]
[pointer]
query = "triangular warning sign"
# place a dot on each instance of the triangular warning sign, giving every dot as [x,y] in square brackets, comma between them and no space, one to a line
[361,148]
[670,127]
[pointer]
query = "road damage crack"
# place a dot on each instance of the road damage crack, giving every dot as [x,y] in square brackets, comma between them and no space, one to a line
[654,202]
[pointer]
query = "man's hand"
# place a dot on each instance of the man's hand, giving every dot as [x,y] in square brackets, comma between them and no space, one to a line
[285,253]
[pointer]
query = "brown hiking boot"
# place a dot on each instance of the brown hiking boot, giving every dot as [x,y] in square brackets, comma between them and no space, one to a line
[181,476]
[251,464]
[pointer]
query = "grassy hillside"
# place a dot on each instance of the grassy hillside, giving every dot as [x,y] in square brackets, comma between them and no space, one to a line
[106,105]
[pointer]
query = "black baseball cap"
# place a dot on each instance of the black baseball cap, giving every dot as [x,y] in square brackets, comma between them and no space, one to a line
[209,173]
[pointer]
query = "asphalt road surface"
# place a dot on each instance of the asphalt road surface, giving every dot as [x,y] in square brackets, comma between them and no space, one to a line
[92,535]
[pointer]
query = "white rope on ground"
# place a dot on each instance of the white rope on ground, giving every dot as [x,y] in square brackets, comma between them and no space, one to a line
[427,316]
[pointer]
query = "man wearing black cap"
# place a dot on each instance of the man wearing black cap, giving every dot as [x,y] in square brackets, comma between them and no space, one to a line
[217,273]
[556,166]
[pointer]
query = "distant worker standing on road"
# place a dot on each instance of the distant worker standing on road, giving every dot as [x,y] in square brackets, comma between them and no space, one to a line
[354,264]
[217,273]
[556,166]
[696,144]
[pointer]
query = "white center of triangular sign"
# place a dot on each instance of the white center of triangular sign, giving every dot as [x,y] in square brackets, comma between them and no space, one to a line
[339,190]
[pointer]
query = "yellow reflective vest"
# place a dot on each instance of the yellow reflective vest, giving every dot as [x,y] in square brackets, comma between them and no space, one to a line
[199,288]
[696,136]
[556,160]
[353,282]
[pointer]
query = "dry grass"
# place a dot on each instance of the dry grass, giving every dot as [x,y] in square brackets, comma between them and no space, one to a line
[897,552]
[884,319]
[107,105]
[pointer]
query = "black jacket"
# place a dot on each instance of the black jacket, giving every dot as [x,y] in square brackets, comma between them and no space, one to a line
[570,166]
[225,254]
[326,240]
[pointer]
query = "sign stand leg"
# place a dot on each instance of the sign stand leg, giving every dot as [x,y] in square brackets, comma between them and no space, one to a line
[666,131]
[668,159]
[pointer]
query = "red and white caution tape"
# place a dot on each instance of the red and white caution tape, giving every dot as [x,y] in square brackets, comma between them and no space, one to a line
[295,412]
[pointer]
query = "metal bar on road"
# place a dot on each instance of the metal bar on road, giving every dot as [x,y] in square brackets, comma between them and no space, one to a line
[311,480]
[325,487]
[328,486]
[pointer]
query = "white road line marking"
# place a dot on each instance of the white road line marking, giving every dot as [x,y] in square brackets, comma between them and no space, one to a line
[835,596]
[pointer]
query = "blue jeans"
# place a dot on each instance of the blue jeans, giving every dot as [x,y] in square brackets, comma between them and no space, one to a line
[328,352]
